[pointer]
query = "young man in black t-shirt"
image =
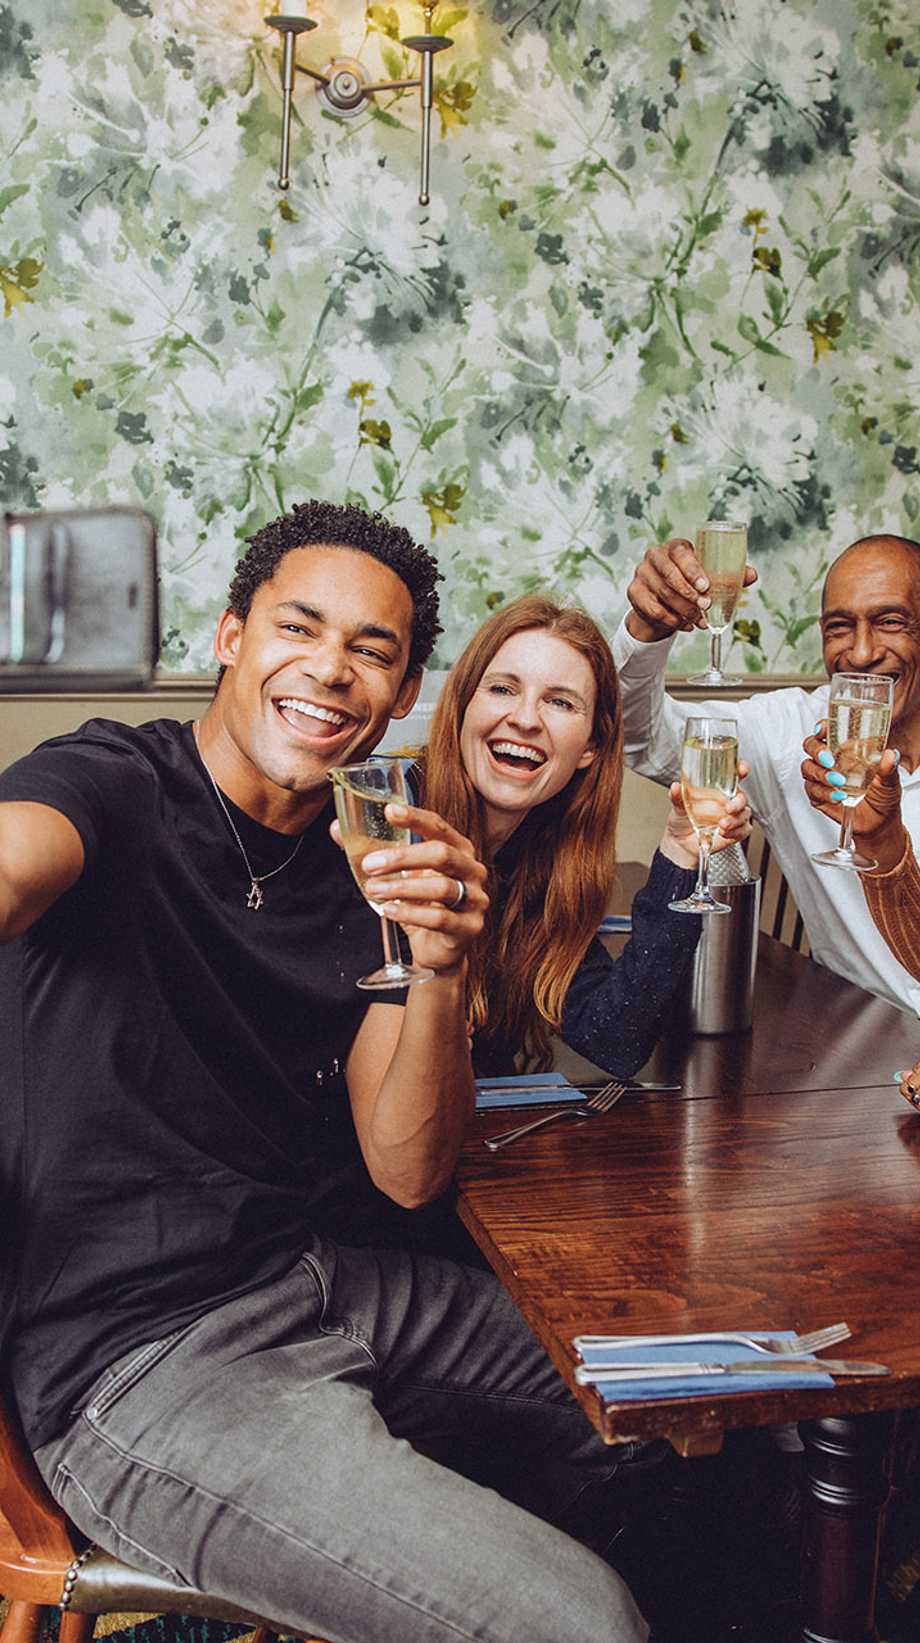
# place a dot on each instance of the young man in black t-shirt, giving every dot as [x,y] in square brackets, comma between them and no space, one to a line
[199,1108]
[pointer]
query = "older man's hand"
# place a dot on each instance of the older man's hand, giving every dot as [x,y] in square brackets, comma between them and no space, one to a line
[669,592]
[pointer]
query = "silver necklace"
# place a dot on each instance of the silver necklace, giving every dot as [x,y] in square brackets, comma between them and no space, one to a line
[255,897]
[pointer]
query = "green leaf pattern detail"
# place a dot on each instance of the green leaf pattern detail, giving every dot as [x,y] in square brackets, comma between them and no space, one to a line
[671,268]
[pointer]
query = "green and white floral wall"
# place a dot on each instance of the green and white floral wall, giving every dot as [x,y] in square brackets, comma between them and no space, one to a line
[671,269]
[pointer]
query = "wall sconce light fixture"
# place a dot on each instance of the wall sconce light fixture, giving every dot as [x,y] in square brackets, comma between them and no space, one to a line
[345,86]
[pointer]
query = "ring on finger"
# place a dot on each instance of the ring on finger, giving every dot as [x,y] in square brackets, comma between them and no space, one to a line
[461,894]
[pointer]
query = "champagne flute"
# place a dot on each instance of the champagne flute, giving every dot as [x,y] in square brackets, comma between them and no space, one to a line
[362,792]
[708,780]
[858,721]
[721,548]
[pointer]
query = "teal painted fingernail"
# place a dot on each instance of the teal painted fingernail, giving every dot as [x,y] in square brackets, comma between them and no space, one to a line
[827,759]
[896,1078]
[835,779]
[817,729]
[897,755]
[835,797]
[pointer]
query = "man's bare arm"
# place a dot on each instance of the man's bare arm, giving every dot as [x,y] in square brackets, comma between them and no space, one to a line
[41,856]
[410,1080]
[411,1122]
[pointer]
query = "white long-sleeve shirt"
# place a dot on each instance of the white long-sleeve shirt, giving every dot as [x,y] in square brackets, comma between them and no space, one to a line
[771,730]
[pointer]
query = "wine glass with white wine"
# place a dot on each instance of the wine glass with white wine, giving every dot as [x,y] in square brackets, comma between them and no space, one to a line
[858,721]
[362,793]
[721,548]
[708,781]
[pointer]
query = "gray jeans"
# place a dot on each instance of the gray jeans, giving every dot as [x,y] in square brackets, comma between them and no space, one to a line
[286,1452]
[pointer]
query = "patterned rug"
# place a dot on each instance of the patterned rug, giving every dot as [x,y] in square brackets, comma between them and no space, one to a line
[151,1628]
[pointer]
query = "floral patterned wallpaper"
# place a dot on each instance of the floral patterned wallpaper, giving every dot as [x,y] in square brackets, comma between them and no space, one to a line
[671,268]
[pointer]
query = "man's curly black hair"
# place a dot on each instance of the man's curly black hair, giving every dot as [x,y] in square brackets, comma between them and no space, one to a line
[311,524]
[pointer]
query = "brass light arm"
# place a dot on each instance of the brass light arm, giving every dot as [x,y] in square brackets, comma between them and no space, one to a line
[427,45]
[391,85]
[345,88]
[289,28]
[301,68]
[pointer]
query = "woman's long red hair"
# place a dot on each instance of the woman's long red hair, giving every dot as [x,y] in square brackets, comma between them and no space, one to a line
[522,966]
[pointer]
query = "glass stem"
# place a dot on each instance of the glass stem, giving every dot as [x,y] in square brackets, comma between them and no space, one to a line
[701,890]
[391,956]
[846,831]
[715,651]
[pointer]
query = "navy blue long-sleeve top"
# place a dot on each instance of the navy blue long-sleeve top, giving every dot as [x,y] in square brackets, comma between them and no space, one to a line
[615,1008]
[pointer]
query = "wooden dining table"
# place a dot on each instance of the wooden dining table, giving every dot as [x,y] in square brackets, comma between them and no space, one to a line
[778,1189]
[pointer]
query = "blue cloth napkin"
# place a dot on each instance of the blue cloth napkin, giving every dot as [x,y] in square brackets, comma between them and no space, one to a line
[532,1090]
[614,1391]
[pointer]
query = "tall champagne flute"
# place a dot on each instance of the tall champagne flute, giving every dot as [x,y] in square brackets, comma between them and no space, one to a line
[858,721]
[362,792]
[708,780]
[721,548]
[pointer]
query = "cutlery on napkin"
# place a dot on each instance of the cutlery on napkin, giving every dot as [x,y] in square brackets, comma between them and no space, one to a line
[579,1089]
[587,1374]
[520,1090]
[682,1369]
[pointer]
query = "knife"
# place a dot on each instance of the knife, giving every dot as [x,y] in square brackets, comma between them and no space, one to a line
[562,1090]
[587,1374]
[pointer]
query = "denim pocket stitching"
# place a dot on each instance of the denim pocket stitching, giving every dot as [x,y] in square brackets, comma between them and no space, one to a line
[345,1329]
[137,1365]
[63,1475]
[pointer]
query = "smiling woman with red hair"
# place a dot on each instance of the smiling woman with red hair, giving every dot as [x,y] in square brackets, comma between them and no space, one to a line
[525,758]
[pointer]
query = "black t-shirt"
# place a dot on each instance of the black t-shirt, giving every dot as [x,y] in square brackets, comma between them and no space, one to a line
[175,1122]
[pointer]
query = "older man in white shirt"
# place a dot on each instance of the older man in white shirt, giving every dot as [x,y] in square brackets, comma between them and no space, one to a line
[870,623]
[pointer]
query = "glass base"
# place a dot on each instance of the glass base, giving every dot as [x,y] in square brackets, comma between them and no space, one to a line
[393,975]
[713,676]
[850,860]
[700,904]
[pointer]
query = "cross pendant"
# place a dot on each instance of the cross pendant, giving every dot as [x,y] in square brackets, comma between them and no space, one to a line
[255,897]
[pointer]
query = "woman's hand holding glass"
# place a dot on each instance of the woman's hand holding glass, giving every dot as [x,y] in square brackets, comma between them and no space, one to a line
[680,841]
[909,1085]
[846,759]
[877,825]
[708,783]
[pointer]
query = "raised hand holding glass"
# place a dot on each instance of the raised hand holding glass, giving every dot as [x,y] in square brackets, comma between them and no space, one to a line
[708,783]
[721,548]
[362,793]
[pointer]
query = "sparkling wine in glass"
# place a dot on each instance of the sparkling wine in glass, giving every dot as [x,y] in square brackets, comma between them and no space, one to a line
[858,721]
[721,548]
[362,793]
[708,781]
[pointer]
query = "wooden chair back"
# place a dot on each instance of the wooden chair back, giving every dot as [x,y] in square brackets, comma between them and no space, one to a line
[37,1542]
[779,915]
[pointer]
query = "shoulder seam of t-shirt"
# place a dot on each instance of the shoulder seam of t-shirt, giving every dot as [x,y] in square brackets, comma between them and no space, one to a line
[32,779]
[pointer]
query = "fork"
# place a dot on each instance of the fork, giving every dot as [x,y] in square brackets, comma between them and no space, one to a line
[814,1341]
[598,1101]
